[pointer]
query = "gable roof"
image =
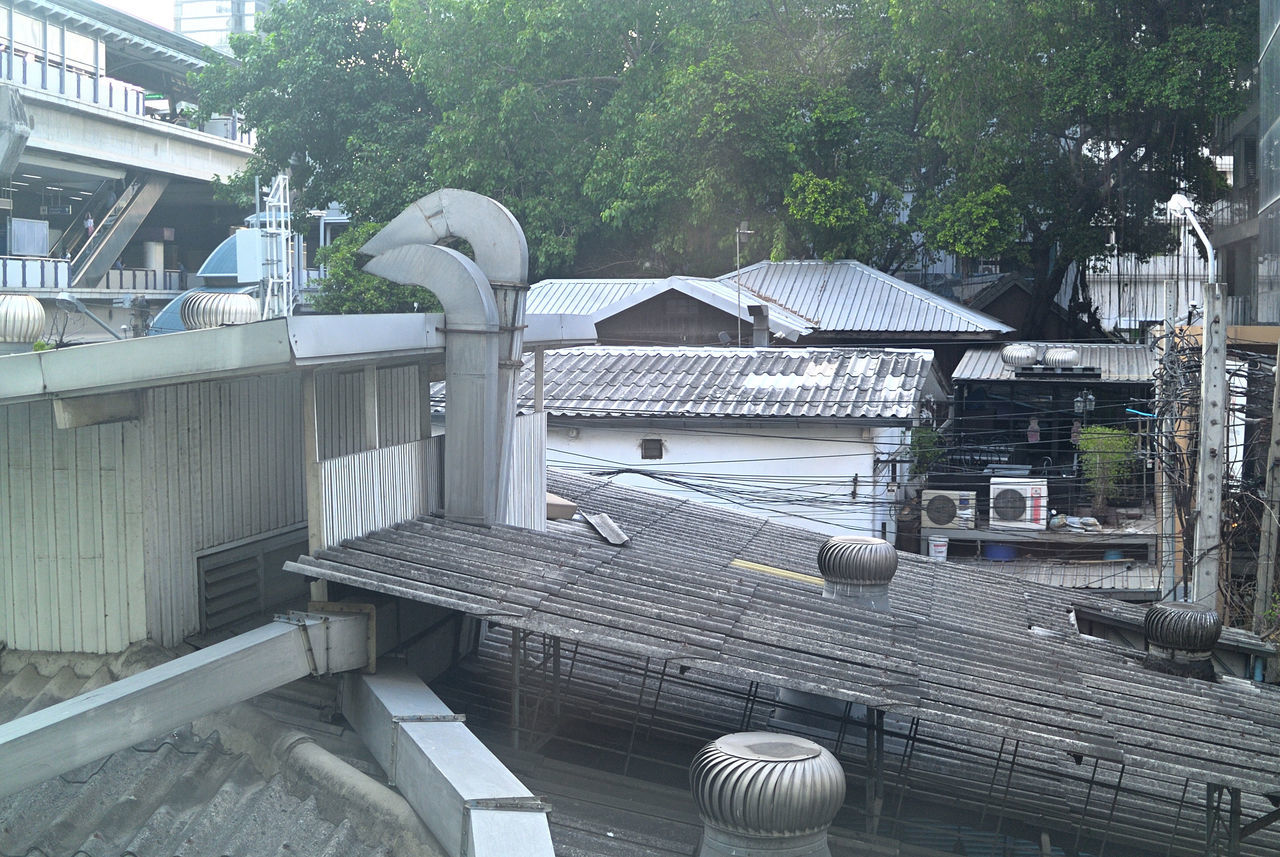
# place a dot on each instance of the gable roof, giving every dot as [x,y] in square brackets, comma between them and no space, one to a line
[842,383]
[850,296]
[1119,363]
[603,299]
[979,657]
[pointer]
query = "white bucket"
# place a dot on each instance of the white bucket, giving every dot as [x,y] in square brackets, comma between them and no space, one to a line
[937,547]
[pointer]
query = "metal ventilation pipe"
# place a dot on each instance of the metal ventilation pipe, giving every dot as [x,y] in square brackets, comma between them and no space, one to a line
[1180,639]
[471,368]
[502,255]
[761,794]
[855,570]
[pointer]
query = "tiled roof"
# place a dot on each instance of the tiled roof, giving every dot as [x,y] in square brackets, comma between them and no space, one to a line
[602,299]
[849,296]
[733,382]
[1119,363]
[983,660]
[183,792]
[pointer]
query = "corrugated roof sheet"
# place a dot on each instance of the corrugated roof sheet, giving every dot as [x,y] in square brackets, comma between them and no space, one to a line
[602,299]
[1119,363]
[838,383]
[849,296]
[978,656]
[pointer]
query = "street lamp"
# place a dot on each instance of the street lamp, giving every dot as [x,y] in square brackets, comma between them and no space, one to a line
[1180,205]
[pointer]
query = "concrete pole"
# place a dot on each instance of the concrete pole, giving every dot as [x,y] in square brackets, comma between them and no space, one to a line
[1212,452]
[1270,525]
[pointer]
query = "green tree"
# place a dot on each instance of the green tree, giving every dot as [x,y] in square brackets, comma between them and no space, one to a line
[330,97]
[345,289]
[1106,458]
[1088,114]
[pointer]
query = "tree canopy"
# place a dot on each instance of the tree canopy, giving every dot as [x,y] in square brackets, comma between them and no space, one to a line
[633,138]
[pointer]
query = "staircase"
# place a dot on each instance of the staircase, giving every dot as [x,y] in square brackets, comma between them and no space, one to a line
[108,241]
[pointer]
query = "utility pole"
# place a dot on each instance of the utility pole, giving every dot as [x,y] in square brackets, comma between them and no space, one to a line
[1270,525]
[1168,517]
[1213,436]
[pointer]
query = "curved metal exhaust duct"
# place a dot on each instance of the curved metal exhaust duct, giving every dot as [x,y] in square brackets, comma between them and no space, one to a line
[502,258]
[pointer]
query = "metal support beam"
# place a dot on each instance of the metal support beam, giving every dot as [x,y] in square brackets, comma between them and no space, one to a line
[875,768]
[95,724]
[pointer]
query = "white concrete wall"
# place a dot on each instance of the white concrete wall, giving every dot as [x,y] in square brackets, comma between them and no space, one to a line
[802,476]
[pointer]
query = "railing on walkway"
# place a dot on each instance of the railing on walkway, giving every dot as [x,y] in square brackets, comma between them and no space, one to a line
[22,272]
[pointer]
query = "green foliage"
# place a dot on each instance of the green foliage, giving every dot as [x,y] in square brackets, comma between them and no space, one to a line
[330,97]
[926,449]
[1107,459]
[346,289]
[633,138]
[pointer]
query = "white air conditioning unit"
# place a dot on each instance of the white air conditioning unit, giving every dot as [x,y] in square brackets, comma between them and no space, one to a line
[1018,503]
[954,510]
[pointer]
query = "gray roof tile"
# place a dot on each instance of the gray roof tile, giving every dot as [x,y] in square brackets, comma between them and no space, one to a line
[833,383]
[1119,363]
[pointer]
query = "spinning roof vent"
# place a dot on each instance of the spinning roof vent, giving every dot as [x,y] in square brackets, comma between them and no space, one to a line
[1180,640]
[761,793]
[1018,354]
[214,309]
[858,569]
[1061,358]
[21,321]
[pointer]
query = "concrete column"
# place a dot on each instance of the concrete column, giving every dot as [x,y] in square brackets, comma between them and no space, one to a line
[153,258]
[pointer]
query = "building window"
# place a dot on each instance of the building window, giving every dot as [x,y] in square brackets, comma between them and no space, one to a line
[651,448]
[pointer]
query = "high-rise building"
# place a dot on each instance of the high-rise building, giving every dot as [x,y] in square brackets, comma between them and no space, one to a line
[1269,164]
[212,22]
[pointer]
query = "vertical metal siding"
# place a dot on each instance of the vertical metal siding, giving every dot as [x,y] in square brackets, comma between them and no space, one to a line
[71,567]
[340,413]
[224,463]
[370,490]
[398,405]
[526,504]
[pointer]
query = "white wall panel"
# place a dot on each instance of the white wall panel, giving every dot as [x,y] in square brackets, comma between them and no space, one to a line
[340,413]
[526,501]
[71,568]
[370,490]
[398,405]
[225,463]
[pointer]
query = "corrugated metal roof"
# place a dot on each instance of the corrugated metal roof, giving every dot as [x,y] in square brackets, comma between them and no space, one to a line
[602,299]
[1119,363]
[840,383]
[849,296]
[183,792]
[978,656]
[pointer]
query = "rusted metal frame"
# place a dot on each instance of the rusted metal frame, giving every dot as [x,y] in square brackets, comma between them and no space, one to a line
[1111,814]
[1260,823]
[904,770]
[844,725]
[635,721]
[555,678]
[991,787]
[1233,825]
[1004,798]
[653,709]
[1177,819]
[753,693]
[1212,815]
[1084,811]
[874,721]
[517,654]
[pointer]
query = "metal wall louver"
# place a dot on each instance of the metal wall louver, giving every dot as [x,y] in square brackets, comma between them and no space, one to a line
[21,319]
[203,310]
[761,793]
[1180,639]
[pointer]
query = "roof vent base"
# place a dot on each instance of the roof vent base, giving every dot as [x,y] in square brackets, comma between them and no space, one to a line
[722,843]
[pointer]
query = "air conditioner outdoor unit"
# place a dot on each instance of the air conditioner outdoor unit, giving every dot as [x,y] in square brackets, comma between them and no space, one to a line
[1019,504]
[955,510]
